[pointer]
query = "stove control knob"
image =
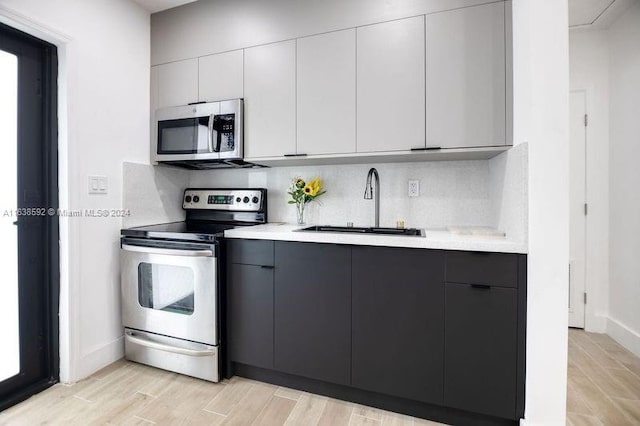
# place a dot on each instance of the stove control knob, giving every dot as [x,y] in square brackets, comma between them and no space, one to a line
[196,198]
[245,199]
[187,199]
[238,200]
[255,200]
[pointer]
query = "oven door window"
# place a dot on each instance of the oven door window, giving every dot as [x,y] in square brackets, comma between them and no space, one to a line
[166,288]
[184,136]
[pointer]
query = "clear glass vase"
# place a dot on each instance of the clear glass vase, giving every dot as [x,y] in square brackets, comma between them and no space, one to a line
[300,212]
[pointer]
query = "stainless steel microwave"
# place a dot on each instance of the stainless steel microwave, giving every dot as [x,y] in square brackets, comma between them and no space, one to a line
[203,135]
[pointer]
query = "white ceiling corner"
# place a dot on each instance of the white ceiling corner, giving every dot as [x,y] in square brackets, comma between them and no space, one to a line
[596,13]
[154,6]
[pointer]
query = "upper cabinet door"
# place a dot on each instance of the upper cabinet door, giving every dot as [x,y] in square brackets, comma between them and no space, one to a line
[391,85]
[177,83]
[327,93]
[220,76]
[270,100]
[466,77]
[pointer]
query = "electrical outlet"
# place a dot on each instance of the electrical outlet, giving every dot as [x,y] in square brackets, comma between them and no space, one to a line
[414,188]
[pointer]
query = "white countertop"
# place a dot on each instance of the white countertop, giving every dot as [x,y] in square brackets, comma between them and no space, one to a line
[435,239]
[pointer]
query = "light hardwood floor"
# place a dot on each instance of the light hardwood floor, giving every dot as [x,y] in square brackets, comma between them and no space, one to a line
[603,389]
[604,381]
[126,393]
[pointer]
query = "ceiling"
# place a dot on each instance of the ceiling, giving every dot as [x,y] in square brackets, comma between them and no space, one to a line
[581,12]
[596,13]
[154,6]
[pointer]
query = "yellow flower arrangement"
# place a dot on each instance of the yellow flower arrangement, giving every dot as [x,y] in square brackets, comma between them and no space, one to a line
[302,192]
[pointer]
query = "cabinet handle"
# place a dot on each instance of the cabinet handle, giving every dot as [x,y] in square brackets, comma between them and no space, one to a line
[481,286]
[425,148]
[266,267]
[295,155]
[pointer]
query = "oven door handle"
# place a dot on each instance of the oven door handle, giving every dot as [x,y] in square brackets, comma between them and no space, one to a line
[166,348]
[165,251]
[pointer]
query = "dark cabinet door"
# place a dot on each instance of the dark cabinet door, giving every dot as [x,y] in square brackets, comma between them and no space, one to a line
[313,311]
[398,322]
[250,314]
[481,349]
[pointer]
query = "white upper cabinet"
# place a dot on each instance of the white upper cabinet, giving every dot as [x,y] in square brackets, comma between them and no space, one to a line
[391,81]
[326,82]
[220,76]
[466,95]
[270,100]
[177,83]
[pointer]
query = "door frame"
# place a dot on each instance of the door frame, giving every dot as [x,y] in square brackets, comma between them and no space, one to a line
[584,94]
[51,232]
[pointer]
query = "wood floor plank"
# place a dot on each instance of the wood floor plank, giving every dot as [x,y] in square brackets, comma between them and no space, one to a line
[596,352]
[249,407]
[576,419]
[576,403]
[370,412]
[394,419]
[288,393]
[183,400]
[117,412]
[230,396]
[336,413]
[307,410]
[600,377]
[275,412]
[602,405]
[599,337]
[630,407]
[358,420]
[106,371]
[630,381]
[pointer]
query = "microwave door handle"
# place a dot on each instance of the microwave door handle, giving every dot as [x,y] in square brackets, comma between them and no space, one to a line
[210,134]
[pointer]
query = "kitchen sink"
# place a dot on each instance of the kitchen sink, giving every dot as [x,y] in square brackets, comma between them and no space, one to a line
[405,232]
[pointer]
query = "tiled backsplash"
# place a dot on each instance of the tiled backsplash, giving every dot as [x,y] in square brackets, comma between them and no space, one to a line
[475,193]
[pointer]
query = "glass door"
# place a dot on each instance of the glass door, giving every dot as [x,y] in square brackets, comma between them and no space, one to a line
[29,285]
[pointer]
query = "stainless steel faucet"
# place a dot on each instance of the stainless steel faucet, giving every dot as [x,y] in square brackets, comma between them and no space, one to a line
[368,193]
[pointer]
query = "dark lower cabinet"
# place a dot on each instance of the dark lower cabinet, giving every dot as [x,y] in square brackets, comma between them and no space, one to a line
[481,342]
[431,333]
[313,311]
[250,314]
[398,322]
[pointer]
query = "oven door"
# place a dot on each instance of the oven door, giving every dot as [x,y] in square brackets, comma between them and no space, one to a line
[170,288]
[187,133]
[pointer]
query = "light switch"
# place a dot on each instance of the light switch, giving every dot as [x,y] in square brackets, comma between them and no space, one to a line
[98,185]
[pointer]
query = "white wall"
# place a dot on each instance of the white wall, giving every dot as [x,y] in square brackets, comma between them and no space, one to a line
[589,72]
[541,111]
[104,116]
[624,296]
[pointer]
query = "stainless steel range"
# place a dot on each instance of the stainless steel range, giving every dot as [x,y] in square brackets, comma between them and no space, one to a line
[170,277]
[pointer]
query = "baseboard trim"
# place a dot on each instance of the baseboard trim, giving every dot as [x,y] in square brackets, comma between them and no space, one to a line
[595,323]
[624,335]
[100,357]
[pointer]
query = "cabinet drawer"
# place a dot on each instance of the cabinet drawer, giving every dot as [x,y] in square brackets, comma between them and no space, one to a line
[494,269]
[250,252]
